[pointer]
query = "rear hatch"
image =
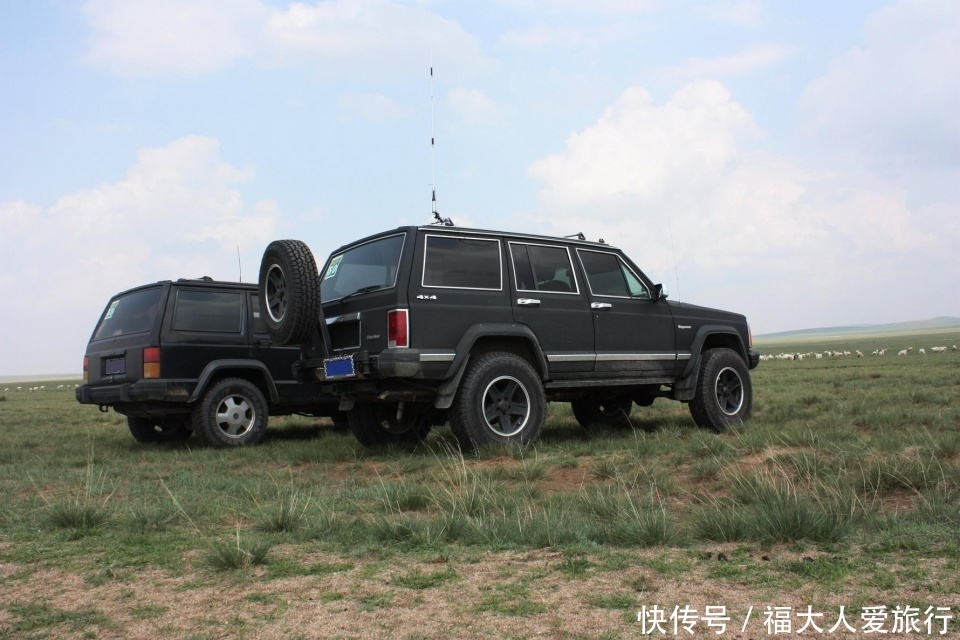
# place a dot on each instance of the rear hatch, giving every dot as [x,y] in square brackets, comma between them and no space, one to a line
[128,325]
[359,294]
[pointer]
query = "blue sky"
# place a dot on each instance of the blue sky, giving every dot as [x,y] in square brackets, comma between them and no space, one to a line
[805,155]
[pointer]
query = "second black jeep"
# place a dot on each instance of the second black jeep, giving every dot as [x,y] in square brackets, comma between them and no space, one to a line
[417,326]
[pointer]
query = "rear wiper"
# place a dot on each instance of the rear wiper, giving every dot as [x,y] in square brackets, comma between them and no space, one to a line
[366,289]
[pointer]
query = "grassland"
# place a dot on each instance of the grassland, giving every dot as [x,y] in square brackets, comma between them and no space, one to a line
[843,490]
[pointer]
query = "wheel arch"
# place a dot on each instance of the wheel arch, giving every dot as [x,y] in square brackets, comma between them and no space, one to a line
[253,371]
[486,338]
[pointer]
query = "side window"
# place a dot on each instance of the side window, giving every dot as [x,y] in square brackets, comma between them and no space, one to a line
[257,323]
[462,263]
[543,268]
[608,275]
[219,311]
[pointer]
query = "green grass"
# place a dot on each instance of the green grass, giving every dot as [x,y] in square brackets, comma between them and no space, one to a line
[856,458]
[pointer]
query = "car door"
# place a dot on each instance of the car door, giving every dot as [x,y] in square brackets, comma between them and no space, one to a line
[634,333]
[548,297]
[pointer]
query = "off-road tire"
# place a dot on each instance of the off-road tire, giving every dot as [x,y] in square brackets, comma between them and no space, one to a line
[500,401]
[375,424]
[289,287]
[153,430]
[231,413]
[724,392]
[608,412]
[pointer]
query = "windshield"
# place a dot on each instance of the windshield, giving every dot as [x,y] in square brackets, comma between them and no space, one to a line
[132,313]
[369,266]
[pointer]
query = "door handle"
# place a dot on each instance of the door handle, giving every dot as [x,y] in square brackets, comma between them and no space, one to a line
[527,301]
[601,305]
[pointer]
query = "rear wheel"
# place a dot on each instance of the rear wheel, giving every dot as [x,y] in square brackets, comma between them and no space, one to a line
[500,401]
[609,412]
[724,392]
[384,423]
[289,288]
[166,429]
[232,413]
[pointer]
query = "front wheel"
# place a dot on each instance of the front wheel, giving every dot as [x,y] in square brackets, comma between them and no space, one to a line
[232,413]
[166,429]
[500,401]
[724,392]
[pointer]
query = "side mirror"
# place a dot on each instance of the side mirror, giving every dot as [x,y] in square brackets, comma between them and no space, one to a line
[659,292]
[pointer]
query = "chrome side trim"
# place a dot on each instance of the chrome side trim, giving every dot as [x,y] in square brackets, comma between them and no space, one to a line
[437,357]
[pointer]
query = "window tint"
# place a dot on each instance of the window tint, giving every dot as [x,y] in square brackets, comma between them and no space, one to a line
[208,311]
[466,263]
[258,326]
[604,274]
[543,268]
[370,266]
[132,313]
[637,289]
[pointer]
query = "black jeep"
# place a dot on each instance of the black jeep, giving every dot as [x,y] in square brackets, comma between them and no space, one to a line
[193,355]
[421,325]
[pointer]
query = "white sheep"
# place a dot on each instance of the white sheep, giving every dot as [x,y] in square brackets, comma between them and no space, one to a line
[903,352]
[859,353]
[938,349]
[923,351]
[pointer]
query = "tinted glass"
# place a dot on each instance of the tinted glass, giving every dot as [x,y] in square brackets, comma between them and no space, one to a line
[543,268]
[604,274]
[258,326]
[218,311]
[463,263]
[132,313]
[373,265]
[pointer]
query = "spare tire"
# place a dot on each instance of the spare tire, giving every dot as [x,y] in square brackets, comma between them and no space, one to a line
[289,288]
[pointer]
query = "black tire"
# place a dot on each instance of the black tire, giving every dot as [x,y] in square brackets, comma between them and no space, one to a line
[231,413]
[166,429]
[375,424]
[724,393]
[500,401]
[289,287]
[608,412]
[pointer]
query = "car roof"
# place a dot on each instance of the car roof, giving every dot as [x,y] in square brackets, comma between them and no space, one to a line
[205,282]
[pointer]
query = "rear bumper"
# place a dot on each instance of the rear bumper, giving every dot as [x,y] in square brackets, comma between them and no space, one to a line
[136,392]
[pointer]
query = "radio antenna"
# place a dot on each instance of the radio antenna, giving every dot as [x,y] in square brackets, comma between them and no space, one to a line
[239,267]
[676,274]
[437,219]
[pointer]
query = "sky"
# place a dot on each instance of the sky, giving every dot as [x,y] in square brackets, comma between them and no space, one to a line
[797,162]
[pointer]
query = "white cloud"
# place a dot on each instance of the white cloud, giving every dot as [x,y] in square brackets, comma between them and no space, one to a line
[753,58]
[172,37]
[815,241]
[473,105]
[895,98]
[584,6]
[737,13]
[196,37]
[551,36]
[176,213]
[374,107]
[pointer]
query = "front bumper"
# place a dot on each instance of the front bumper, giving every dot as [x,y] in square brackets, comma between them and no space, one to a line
[754,358]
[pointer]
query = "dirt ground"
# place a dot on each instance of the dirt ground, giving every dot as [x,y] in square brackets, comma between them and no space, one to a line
[503,595]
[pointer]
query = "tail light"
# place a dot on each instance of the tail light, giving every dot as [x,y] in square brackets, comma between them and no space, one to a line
[151,362]
[398,328]
[86,369]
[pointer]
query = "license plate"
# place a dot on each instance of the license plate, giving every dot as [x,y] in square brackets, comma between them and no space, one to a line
[114,366]
[339,368]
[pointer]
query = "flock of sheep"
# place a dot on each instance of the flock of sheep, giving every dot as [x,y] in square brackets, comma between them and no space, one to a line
[43,387]
[847,354]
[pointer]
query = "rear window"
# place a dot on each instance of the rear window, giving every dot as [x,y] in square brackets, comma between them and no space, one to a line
[366,267]
[217,311]
[462,263]
[132,313]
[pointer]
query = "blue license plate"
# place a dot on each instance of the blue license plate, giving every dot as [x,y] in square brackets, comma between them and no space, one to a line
[339,368]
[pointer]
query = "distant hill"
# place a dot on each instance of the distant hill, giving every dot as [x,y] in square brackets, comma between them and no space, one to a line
[934,325]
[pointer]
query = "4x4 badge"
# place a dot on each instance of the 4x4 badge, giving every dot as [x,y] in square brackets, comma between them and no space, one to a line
[423,297]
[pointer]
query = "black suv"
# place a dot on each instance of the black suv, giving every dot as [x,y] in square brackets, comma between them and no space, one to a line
[193,355]
[420,325]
